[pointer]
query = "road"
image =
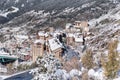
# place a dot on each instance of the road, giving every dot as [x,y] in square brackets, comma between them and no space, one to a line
[23,76]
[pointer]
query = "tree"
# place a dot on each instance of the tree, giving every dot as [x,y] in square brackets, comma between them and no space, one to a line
[111,65]
[47,67]
[87,59]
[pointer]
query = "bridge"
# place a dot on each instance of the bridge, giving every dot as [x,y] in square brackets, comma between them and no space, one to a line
[7,59]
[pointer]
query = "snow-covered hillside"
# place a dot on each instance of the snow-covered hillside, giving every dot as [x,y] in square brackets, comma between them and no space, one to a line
[76,9]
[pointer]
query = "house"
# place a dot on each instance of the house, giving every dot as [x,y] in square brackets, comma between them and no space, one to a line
[37,49]
[70,39]
[82,26]
[79,40]
[24,56]
[43,35]
[55,47]
[69,28]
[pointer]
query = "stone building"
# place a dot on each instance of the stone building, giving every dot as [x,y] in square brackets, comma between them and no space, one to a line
[82,25]
[70,39]
[55,47]
[37,49]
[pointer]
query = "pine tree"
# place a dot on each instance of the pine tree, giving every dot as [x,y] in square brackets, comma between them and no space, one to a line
[111,65]
[87,59]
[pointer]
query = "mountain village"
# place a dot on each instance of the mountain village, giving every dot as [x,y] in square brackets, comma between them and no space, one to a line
[69,44]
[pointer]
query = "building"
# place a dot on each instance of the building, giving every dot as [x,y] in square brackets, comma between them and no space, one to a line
[75,39]
[55,47]
[69,28]
[43,35]
[37,49]
[82,25]
[70,39]
[24,56]
[79,40]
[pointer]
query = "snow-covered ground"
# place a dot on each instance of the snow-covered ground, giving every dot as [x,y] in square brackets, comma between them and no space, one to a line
[5,13]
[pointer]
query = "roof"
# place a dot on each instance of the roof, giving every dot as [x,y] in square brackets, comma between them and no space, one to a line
[54,44]
[21,36]
[70,35]
[42,33]
[24,53]
[68,25]
[39,41]
[79,39]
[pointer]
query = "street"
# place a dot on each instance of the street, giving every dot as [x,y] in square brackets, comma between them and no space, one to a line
[23,76]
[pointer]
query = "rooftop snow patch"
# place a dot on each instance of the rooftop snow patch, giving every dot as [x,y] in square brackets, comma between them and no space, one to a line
[39,41]
[79,39]
[54,44]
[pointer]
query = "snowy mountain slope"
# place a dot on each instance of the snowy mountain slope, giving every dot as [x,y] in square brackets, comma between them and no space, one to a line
[29,18]
[106,28]
[86,8]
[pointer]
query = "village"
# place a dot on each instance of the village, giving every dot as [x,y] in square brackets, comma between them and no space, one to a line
[68,45]
[27,48]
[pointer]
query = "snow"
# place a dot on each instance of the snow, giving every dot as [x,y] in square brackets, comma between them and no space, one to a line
[117,78]
[70,35]
[21,36]
[88,4]
[97,75]
[2,77]
[42,33]
[24,53]
[22,5]
[91,72]
[54,44]
[111,15]
[118,48]
[79,39]
[39,41]
[16,1]
[3,53]
[4,14]
[68,25]
[75,72]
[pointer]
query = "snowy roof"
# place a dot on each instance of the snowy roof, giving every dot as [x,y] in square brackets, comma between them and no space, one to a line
[39,41]
[21,36]
[70,35]
[42,33]
[54,44]
[79,39]
[68,25]
[3,53]
[24,53]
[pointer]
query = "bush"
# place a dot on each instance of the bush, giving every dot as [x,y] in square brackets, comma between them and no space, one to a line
[111,65]
[87,59]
